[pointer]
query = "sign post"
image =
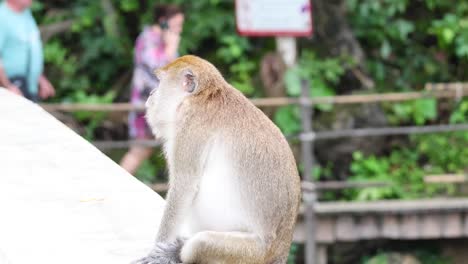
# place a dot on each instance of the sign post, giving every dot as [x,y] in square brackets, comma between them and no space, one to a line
[286,20]
[283,19]
[266,18]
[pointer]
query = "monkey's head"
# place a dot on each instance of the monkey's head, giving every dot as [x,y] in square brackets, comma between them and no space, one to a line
[180,81]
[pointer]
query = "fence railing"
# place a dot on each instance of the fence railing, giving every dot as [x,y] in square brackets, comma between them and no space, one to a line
[447,91]
[450,90]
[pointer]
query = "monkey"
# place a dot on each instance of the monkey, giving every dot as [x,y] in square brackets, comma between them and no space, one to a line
[234,189]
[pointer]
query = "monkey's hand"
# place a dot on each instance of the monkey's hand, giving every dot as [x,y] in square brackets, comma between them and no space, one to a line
[164,253]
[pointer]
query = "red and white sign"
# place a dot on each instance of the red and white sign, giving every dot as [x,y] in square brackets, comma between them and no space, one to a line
[274,17]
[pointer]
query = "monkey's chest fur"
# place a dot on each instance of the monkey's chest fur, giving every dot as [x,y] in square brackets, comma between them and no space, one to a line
[218,205]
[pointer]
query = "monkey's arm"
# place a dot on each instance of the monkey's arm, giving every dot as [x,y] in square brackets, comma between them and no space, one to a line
[178,202]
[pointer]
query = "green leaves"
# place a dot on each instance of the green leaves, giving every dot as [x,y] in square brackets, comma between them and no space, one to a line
[452,33]
[371,169]
[293,252]
[404,168]
[461,44]
[129,5]
[409,43]
[232,51]
[404,28]
[292,80]
[55,53]
[421,255]
[460,114]
[232,47]
[399,169]
[446,153]
[445,29]
[418,111]
[287,118]
[319,73]
[93,119]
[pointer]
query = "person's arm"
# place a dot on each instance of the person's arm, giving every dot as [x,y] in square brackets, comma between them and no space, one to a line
[148,53]
[5,82]
[145,49]
[46,89]
[171,41]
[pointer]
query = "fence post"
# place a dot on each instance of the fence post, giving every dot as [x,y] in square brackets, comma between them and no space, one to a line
[307,149]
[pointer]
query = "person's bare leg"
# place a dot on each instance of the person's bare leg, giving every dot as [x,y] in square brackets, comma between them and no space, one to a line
[134,157]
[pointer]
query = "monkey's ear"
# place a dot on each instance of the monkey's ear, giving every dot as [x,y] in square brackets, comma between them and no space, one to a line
[189,81]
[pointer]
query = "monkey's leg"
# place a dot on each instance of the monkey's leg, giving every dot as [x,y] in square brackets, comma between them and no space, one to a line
[210,247]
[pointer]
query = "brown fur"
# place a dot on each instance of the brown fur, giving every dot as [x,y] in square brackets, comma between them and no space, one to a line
[259,153]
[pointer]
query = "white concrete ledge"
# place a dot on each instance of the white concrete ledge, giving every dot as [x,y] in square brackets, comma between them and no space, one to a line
[61,199]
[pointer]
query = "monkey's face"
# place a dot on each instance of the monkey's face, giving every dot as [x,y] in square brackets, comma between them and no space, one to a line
[165,100]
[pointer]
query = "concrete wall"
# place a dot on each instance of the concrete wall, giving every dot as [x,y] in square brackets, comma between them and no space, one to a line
[61,199]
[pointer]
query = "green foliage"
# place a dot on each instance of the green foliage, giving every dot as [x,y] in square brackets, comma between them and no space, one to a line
[432,257]
[445,153]
[404,168]
[452,31]
[288,119]
[90,56]
[323,172]
[93,119]
[408,44]
[146,172]
[71,81]
[399,169]
[460,113]
[320,75]
[418,111]
[153,169]
[424,256]
[293,251]
[381,258]
[98,50]
[400,36]
[372,22]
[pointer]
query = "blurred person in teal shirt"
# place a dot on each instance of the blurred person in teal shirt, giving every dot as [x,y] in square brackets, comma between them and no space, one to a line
[21,56]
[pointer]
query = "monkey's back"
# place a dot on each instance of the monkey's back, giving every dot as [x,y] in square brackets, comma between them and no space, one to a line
[265,153]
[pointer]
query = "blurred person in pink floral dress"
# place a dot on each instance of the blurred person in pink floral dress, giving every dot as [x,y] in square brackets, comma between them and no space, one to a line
[155,47]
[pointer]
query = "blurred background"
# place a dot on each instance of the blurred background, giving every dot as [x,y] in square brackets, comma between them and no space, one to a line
[359,47]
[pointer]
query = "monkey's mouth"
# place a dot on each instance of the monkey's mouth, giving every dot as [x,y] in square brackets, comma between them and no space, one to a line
[149,102]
